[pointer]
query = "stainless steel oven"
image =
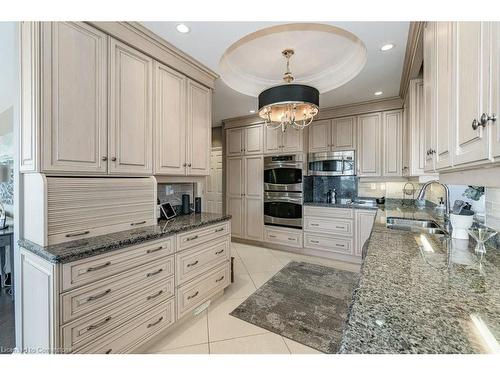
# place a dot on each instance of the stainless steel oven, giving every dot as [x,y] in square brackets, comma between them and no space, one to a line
[283,208]
[283,172]
[335,163]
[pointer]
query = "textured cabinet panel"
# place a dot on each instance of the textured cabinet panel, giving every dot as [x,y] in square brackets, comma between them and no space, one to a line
[319,136]
[344,133]
[254,139]
[392,131]
[369,145]
[234,142]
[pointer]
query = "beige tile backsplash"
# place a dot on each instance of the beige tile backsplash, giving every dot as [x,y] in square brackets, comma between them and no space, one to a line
[493,208]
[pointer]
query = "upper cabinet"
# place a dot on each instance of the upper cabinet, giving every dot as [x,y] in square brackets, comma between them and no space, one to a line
[319,136]
[131,110]
[369,145]
[248,140]
[276,141]
[392,147]
[333,135]
[90,104]
[495,88]
[415,129]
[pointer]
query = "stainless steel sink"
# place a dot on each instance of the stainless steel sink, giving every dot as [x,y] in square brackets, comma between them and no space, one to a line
[414,225]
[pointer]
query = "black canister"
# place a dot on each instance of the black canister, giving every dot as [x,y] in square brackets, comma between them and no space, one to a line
[197,205]
[186,206]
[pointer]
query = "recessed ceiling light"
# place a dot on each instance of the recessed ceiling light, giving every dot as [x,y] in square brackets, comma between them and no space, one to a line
[378,93]
[252,111]
[387,47]
[182,28]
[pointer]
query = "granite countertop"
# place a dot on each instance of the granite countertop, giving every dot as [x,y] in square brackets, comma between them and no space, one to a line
[340,205]
[69,251]
[438,297]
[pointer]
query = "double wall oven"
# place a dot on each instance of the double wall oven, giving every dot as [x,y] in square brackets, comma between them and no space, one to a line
[283,190]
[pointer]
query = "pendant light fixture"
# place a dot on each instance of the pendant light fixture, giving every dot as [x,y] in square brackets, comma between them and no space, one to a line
[289,104]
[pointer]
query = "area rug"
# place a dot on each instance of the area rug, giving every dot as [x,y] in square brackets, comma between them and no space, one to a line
[304,302]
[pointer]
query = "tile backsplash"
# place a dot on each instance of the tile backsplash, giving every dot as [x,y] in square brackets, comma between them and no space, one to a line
[316,187]
[172,193]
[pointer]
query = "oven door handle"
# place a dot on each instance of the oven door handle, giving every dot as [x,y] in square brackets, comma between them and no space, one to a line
[283,165]
[283,200]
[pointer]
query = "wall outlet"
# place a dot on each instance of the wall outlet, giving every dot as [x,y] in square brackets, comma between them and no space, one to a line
[169,190]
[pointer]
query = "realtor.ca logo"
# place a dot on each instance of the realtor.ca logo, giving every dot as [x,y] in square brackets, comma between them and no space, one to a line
[6,349]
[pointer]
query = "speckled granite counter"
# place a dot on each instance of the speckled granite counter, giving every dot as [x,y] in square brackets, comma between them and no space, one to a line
[432,298]
[84,248]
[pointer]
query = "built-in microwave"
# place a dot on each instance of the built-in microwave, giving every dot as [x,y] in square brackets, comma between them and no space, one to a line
[333,163]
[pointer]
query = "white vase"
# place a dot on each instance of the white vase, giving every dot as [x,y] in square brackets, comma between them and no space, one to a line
[479,206]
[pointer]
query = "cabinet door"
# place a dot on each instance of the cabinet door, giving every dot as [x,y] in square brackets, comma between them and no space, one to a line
[495,88]
[364,224]
[430,67]
[74,98]
[199,125]
[235,177]
[170,121]
[471,64]
[415,128]
[254,218]
[319,136]
[444,79]
[369,145]
[234,142]
[293,140]
[254,140]
[343,134]
[131,110]
[254,176]
[273,140]
[254,200]
[392,144]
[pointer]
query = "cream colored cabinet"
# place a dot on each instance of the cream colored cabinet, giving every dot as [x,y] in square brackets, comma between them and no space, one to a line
[333,135]
[277,141]
[131,110]
[369,145]
[415,129]
[74,112]
[245,141]
[363,223]
[430,95]
[199,129]
[392,143]
[495,89]
[244,192]
[170,121]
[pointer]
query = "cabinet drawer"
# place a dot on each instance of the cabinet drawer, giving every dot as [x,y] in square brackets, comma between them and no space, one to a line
[84,271]
[283,236]
[330,212]
[197,260]
[327,225]
[135,331]
[328,243]
[83,300]
[196,237]
[196,292]
[81,331]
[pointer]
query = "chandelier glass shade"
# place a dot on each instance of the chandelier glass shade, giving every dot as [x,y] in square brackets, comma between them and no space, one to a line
[289,104]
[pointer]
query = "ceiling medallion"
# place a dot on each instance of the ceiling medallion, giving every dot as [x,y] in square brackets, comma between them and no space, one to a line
[289,104]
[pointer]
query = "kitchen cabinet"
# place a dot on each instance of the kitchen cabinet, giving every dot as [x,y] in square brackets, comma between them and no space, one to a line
[277,142]
[392,145]
[247,140]
[170,121]
[369,145]
[333,135]
[415,129]
[430,94]
[363,223]
[74,112]
[244,192]
[495,88]
[131,120]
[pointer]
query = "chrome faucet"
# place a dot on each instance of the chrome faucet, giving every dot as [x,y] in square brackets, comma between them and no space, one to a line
[421,195]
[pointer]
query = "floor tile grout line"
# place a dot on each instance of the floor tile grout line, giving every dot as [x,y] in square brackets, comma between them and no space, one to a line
[208,334]
[286,344]
[242,337]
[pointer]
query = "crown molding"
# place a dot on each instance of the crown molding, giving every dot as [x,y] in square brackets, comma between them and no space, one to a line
[414,56]
[143,39]
[370,106]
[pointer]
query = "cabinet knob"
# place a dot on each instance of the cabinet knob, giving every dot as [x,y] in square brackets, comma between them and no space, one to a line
[189,165]
[185,165]
[484,119]
[104,158]
[113,158]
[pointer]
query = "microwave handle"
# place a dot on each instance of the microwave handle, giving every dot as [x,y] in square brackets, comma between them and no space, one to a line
[343,164]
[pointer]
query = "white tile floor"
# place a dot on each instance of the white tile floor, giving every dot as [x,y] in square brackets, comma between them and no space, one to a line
[214,331]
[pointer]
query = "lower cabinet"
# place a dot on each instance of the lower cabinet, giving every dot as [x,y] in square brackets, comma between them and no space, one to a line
[363,222]
[116,302]
[283,236]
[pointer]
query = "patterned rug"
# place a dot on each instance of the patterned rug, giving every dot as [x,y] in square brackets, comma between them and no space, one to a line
[304,302]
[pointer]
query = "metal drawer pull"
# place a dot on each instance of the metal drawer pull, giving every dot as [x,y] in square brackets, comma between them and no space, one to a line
[90,269]
[339,227]
[272,236]
[339,245]
[314,225]
[219,252]
[219,279]
[154,273]
[219,230]
[313,241]
[78,234]
[155,323]
[153,250]
[192,296]
[108,351]
[93,298]
[138,223]
[192,238]
[97,325]
[192,264]
[154,295]
[291,239]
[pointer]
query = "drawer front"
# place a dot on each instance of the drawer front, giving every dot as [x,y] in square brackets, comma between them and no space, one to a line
[341,213]
[283,237]
[194,262]
[196,292]
[334,244]
[85,271]
[136,330]
[83,330]
[81,301]
[196,237]
[327,225]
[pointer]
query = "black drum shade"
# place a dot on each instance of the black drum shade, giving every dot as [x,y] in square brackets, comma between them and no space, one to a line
[289,93]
